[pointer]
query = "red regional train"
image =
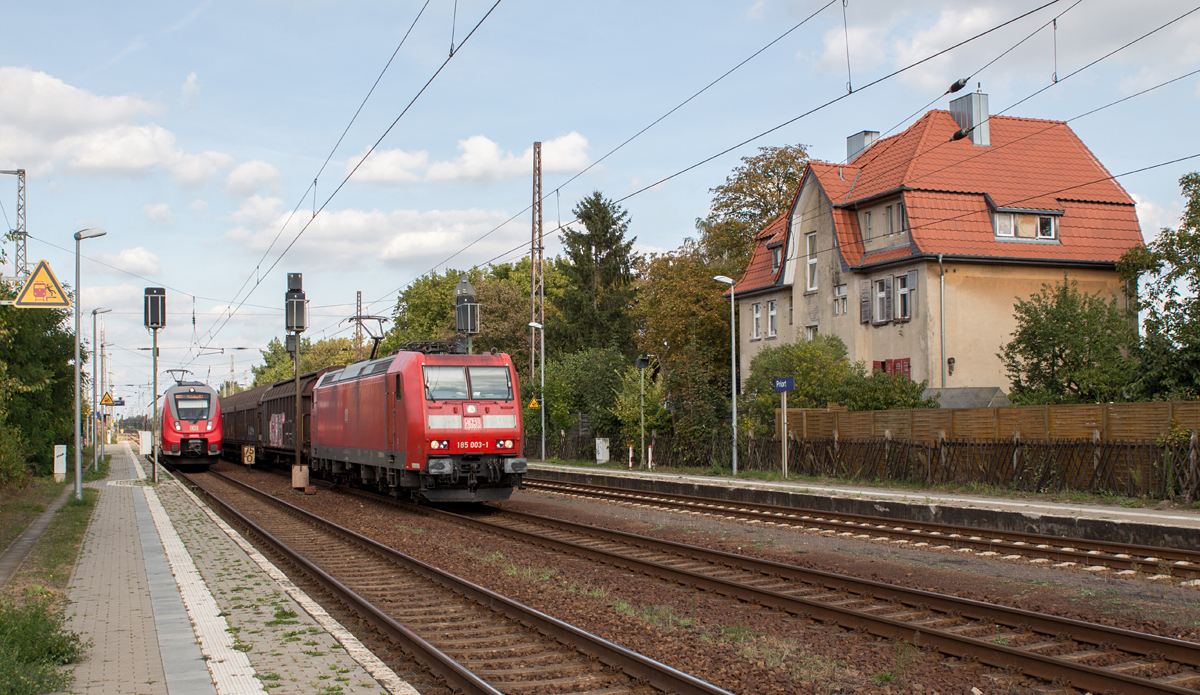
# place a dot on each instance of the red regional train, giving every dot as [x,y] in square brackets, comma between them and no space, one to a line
[420,424]
[191,425]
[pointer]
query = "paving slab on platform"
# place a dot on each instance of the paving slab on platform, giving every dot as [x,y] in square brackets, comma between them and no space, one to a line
[174,601]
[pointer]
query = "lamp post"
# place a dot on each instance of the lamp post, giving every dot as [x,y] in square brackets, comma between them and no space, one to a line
[95,386]
[732,363]
[542,392]
[79,236]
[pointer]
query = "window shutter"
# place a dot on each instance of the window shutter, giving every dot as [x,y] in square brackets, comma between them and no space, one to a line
[889,367]
[877,366]
[912,294]
[864,302]
[887,299]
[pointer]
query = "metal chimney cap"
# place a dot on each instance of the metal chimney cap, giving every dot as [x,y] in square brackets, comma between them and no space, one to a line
[464,288]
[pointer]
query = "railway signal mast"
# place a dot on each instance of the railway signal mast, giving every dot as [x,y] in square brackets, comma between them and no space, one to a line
[537,289]
[296,317]
[155,317]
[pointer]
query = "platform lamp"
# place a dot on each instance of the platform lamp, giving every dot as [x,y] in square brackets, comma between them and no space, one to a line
[296,318]
[95,387]
[733,364]
[154,315]
[79,236]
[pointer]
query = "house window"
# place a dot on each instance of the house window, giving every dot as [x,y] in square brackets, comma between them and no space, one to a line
[900,215]
[756,326]
[867,226]
[812,261]
[810,332]
[789,312]
[900,367]
[771,319]
[903,298]
[839,300]
[883,300]
[891,225]
[1005,224]
[1046,227]
[776,254]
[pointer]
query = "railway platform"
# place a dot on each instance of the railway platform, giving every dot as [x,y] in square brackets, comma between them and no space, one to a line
[1153,526]
[175,602]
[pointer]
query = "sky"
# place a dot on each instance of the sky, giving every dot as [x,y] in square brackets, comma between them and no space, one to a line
[193,132]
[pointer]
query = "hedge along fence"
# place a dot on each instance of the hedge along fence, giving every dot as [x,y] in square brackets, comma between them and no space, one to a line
[1108,421]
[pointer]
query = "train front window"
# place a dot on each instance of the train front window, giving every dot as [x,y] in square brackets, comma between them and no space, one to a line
[445,383]
[490,383]
[191,406]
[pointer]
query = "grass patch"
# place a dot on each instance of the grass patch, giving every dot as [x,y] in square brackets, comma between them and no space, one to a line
[19,507]
[537,574]
[48,566]
[33,645]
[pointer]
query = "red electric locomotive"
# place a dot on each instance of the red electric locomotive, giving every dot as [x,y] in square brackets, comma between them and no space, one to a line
[442,427]
[191,425]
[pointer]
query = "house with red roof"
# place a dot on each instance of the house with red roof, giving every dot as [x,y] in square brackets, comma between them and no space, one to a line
[915,250]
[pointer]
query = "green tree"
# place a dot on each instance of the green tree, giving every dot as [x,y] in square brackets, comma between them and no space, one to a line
[758,191]
[627,407]
[1167,273]
[680,304]
[38,352]
[822,375]
[598,265]
[1069,347]
[278,365]
[425,309]
[697,405]
[584,382]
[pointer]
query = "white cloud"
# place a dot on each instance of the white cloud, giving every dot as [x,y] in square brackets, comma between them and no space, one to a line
[257,210]
[191,88]
[46,123]
[1153,217]
[405,241]
[755,11]
[159,213]
[390,165]
[199,208]
[253,177]
[481,159]
[136,260]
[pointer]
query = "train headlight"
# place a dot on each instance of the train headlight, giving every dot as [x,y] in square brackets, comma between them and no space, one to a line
[177,427]
[439,444]
[211,423]
[504,443]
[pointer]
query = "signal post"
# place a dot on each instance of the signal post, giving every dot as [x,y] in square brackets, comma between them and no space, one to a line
[296,320]
[155,317]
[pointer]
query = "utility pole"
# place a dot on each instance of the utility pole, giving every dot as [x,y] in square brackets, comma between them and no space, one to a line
[20,264]
[537,285]
[358,329]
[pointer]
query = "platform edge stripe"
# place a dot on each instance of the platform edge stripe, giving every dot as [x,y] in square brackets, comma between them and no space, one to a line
[231,670]
[378,670]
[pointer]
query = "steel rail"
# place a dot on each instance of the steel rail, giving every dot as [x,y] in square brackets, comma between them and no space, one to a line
[432,658]
[993,654]
[1174,561]
[631,663]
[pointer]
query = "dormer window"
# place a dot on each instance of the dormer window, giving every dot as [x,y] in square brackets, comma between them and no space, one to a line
[776,257]
[1005,224]
[1047,227]
[867,226]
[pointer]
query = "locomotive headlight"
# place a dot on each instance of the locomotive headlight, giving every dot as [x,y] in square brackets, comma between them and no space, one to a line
[177,427]
[435,444]
[211,423]
[504,443]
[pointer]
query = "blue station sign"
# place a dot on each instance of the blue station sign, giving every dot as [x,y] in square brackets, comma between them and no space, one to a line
[785,384]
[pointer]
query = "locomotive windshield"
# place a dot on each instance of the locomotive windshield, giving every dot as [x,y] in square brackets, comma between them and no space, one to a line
[445,383]
[191,406]
[490,383]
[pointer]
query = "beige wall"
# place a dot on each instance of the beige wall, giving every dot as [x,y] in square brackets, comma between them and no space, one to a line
[748,346]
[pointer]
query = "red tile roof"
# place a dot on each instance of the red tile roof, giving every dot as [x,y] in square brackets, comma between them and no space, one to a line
[759,274]
[1031,164]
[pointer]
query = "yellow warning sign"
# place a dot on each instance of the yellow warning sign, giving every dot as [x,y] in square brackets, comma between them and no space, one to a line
[533,403]
[107,400]
[42,291]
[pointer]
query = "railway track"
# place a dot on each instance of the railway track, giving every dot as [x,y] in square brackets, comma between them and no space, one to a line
[477,641]
[1073,653]
[1124,559]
